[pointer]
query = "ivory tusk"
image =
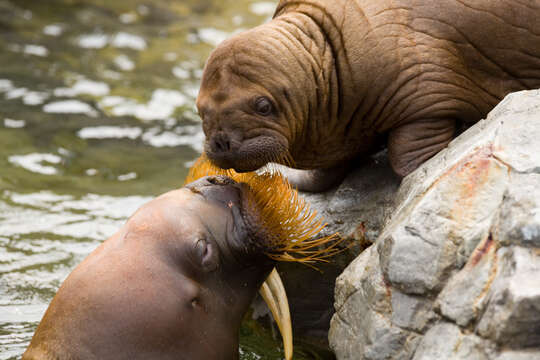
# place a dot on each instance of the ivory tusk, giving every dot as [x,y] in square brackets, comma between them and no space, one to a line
[273,293]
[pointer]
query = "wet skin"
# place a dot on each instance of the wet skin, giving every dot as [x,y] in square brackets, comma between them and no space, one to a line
[173,283]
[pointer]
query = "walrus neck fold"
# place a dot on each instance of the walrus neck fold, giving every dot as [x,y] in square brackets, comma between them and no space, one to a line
[327,94]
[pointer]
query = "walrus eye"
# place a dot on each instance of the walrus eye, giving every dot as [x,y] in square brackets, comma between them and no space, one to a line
[263,106]
[205,254]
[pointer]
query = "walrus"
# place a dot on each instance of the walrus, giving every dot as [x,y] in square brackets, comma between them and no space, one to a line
[325,83]
[175,281]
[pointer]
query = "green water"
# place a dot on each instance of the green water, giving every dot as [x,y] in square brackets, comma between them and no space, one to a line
[96,117]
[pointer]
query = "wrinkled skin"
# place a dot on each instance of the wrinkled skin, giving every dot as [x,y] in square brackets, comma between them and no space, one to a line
[172,283]
[345,77]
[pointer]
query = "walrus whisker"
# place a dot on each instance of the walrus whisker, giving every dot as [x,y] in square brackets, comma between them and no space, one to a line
[285,218]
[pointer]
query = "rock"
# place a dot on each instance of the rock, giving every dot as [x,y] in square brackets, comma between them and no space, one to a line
[446,341]
[455,273]
[512,314]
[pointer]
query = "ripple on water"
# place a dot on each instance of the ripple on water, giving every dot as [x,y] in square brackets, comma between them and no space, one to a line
[5,85]
[83,87]
[124,63]
[263,8]
[130,41]
[14,337]
[14,124]
[109,132]
[93,41]
[161,106]
[187,135]
[42,237]
[69,107]
[34,162]
[53,30]
[36,50]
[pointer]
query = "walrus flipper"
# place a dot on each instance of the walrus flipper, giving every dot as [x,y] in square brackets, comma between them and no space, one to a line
[316,180]
[411,144]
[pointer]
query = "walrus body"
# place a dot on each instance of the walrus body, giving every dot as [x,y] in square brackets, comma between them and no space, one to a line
[326,82]
[173,283]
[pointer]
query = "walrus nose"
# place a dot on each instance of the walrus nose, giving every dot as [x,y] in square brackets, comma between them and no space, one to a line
[217,188]
[221,142]
[210,181]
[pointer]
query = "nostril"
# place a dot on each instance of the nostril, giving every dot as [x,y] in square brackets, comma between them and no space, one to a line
[221,142]
[220,180]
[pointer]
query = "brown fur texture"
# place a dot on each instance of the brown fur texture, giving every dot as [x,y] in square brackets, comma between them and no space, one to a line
[327,82]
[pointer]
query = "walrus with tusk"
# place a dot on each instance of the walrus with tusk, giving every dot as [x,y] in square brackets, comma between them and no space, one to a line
[327,82]
[175,281]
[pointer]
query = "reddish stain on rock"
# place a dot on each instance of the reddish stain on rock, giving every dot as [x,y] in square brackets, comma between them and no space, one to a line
[481,250]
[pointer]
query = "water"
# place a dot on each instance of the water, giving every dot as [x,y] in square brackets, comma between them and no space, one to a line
[96,117]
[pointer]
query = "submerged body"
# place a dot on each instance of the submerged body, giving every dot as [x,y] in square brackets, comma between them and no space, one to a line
[327,82]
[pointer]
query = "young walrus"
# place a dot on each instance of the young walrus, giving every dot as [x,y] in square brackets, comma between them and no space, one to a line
[175,281]
[326,82]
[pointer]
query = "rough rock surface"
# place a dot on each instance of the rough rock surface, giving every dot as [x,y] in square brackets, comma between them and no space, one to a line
[455,274]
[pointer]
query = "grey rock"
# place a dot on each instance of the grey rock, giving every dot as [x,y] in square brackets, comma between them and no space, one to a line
[446,341]
[421,248]
[512,317]
[464,296]
[412,312]
[455,272]
[519,225]
[360,327]
[517,148]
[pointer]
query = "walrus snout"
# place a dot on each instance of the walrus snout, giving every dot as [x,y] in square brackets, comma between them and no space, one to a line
[220,142]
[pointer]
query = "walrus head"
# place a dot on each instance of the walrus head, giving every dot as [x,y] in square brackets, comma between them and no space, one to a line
[254,98]
[176,280]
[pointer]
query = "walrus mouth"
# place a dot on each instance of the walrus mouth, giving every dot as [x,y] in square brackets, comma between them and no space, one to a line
[250,156]
[284,228]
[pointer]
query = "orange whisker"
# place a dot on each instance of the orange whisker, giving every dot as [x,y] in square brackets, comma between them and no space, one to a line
[286,219]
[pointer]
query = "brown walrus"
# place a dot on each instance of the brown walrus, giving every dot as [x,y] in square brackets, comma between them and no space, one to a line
[326,82]
[175,281]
